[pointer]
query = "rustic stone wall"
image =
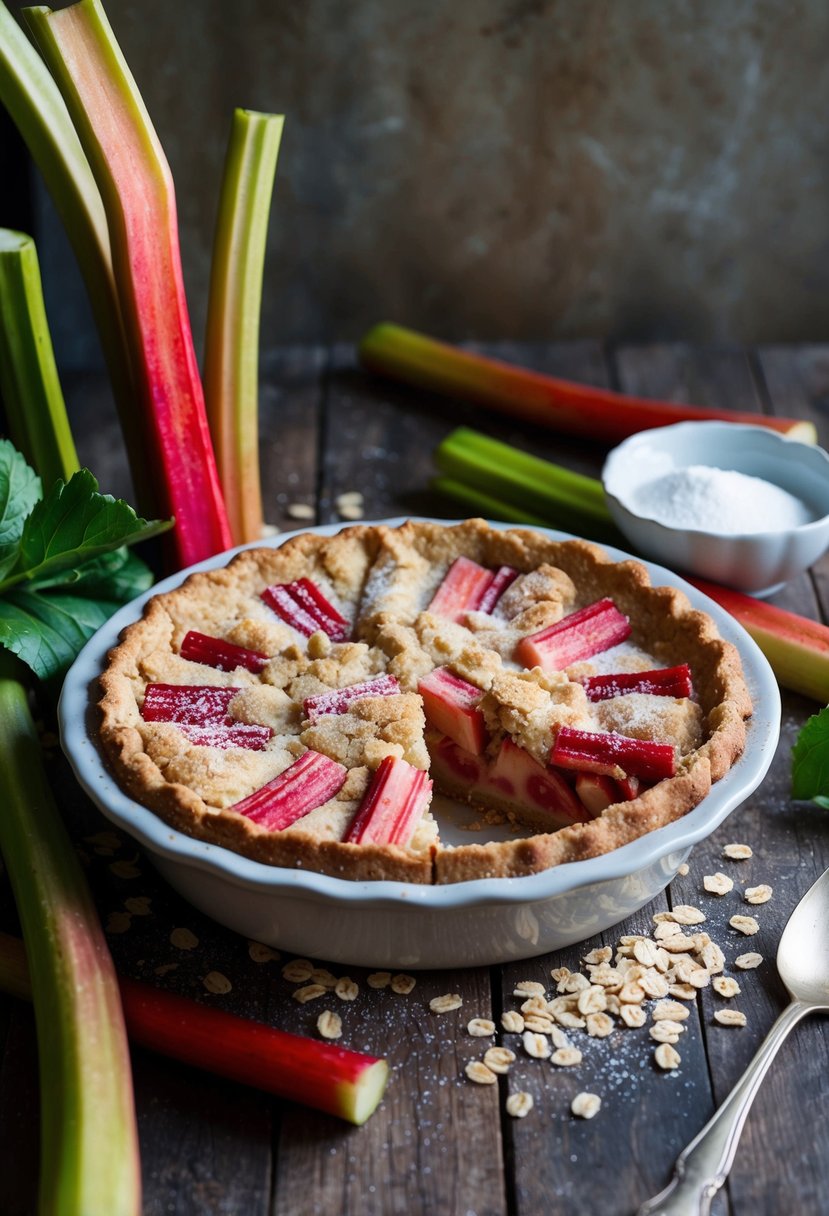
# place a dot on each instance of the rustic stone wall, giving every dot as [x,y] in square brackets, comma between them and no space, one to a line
[515,168]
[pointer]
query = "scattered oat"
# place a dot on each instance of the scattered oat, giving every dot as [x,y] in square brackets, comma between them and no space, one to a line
[350,511]
[320,976]
[574,983]
[164,968]
[724,985]
[402,984]
[683,869]
[718,884]
[560,973]
[747,962]
[349,498]
[667,1057]
[217,983]
[686,914]
[118,922]
[480,1028]
[599,1025]
[758,895]
[498,1059]
[543,1025]
[529,988]
[536,1045]
[712,958]
[633,1015]
[106,843]
[632,994]
[645,952]
[258,952]
[183,939]
[298,970]
[653,984]
[571,1020]
[667,929]
[666,1031]
[559,1038]
[592,1000]
[479,1073]
[519,1104]
[730,1017]
[535,1006]
[602,954]
[566,1057]
[125,869]
[379,979]
[746,925]
[512,1021]
[445,1003]
[310,992]
[346,989]
[670,1010]
[585,1106]
[685,992]
[300,510]
[330,1024]
[737,852]
[139,905]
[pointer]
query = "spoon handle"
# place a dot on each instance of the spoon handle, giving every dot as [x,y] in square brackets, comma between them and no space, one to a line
[703,1166]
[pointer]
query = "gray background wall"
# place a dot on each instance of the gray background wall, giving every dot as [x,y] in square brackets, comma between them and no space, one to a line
[512,168]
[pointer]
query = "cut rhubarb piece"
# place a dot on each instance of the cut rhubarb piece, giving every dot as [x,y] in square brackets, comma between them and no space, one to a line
[463,587]
[577,636]
[216,652]
[597,792]
[453,767]
[630,787]
[393,805]
[597,752]
[302,605]
[518,776]
[503,577]
[451,706]
[660,682]
[308,783]
[252,736]
[195,703]
[340,700]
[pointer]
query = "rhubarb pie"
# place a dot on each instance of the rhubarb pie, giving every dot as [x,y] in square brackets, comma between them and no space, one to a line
[301,704]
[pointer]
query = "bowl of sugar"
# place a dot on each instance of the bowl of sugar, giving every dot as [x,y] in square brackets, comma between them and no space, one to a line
[740,505]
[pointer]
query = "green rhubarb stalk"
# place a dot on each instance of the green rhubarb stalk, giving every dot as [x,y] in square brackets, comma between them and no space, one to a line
[89,1144]
[29,383]
[37,109]
[345,1083]
[485,504]
[231,365]
[556,496]
[137,191]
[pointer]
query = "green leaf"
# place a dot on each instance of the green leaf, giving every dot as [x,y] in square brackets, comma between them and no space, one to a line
[71,525]
[46,631]
[810,760]
[118,576]
[20,490]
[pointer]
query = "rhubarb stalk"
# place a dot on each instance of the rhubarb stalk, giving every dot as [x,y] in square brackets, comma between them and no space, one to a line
[231,365]
[29,383]
[575,409]
[345,1083]
[89,1145]
[137,191]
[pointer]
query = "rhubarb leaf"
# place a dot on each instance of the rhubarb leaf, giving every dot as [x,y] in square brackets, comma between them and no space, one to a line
[20,491]
[118,576]
[46,631]
[71,525]
[810,761]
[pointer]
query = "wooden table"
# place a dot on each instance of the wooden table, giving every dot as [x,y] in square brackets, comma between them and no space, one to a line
[439,1145]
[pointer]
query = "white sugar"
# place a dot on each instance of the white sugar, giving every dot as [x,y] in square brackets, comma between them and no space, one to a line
[719,500]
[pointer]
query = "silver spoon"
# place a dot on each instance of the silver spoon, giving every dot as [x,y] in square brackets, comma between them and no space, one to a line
[803,963]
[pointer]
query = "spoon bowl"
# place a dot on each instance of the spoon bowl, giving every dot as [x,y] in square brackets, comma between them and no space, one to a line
[803,953]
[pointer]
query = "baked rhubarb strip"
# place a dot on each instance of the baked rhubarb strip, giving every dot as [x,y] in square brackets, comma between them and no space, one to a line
[393,805]
[503,577]
[451,706]
[302,605]
[461,590]
[216,652]
[340,700]
[613,755]
[660,682]
[578,636]
[308,783]
[334,1079]
[519,776]
[195,703]
[248,735]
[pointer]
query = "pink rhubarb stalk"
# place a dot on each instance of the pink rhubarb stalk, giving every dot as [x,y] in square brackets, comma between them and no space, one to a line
[302,605]
[308,783]
[340,700]
[393,805]
[196,703]
[661,682]
[137,192]
[503,577]
[462,589]
[578,636]
[333,1079]
[250,736]
[216,652]
[451,706]
[613,755]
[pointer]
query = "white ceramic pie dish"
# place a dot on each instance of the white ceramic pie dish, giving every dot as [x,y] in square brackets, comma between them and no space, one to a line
[394,925]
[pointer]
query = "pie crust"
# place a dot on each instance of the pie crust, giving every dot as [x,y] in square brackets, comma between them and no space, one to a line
[381,580]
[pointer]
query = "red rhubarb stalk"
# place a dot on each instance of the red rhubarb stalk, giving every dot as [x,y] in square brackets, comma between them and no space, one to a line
[661,682]
[463,587]
[575,409]
[198,703]
[302,605]
[503,577]
[216,652]
[344,1083]
[137,191]
[251,736]
[597,792]
[308,783]
[451,706]
[578,636]
[597,752]
[393,805]
[340,700]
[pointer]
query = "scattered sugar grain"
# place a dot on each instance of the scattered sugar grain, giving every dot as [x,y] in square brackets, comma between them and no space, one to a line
[711,499]
[585,1105]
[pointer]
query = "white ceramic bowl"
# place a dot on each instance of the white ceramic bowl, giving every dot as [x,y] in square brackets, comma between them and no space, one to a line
[757,562]
[392,924]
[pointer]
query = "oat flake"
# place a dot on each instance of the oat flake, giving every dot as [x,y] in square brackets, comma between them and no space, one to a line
[330,1024]
[536,1045]
[498,1059]
[566,1057]
[217,983]
[746,925]
[512,1021]
[183,939]
[346,989]
[480,1028]
[379,979]
[738,852]
[747,962]
[758,895]
[479,1073]
[730,1017]
[725,986]
[444,1004]
[586,1106]
[718,884]
[310,992]
[519,1104]
[402,984]
[667,1057]
[258,952]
